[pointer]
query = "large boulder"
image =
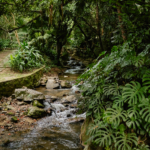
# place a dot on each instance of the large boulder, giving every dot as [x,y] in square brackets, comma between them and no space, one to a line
[36,112]
[52,84]
[28,95]
[65,84]
[68,99]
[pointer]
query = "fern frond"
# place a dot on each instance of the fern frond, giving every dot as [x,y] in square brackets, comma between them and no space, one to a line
[115,116]
[133,123]
[133,93]
[118,101]
[105,137]
[142,147]
[112,89]
[145,112]
[146,79]
[124,141]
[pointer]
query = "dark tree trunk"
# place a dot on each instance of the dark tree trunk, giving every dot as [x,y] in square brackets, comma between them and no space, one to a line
[99,27]
[59,48]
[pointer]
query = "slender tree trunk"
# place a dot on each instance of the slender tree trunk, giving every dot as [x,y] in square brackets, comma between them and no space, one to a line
[16,33]
[59,48]
[99,27]
[121,23]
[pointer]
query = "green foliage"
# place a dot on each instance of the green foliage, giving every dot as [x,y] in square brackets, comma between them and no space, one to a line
[4,44]
[124,141]
[26,58]
[122,101]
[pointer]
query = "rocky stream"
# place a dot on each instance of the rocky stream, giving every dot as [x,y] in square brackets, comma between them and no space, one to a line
[44,118]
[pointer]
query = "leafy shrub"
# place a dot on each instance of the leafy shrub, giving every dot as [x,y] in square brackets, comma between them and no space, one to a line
[1,45]
[4,43]
[26,58]
[119,99]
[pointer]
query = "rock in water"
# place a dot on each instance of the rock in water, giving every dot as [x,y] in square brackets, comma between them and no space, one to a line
[65,84]
[51,84]
[68,99]
[36,112]
[28,95]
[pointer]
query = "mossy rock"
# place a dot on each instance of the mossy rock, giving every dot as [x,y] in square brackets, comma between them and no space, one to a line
[14,119]
[11,113]
[37,104]
[36,112]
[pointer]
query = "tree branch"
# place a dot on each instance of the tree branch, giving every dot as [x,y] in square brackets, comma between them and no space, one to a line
[20,26]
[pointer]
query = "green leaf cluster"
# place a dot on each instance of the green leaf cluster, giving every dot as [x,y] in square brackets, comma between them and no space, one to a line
[25,58]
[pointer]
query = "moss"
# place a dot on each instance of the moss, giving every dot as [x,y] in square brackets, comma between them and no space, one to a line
[25,113]
[38,104]
[11,113]
[30,80]
[14,119]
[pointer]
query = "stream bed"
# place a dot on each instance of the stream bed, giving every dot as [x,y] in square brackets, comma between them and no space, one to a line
[60,130]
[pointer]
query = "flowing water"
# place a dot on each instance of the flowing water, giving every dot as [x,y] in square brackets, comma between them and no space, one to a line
[61,130]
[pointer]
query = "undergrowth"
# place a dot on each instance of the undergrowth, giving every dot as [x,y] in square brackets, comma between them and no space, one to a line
[117,91]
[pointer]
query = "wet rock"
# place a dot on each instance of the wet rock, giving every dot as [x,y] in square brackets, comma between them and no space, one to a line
[65,84]
[49,111]
[43,80]
[68,99]
[53,98]
[14,119]
[36,112]
[9,107]
[23,108]
[51,84]
[11,113]
[77,92]
[21,103]
[74,120]
[65,94]
[17,114]
[47,97]
[73,106]
[28,95]
[29,120]
[2,118]
[8,102]
[19,93]
[37,104]
[4,112]
[68,115]
[81,82]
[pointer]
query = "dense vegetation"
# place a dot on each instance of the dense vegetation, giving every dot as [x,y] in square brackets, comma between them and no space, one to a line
[116,34]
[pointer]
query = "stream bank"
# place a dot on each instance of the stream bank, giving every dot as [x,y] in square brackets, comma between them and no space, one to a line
[59,129]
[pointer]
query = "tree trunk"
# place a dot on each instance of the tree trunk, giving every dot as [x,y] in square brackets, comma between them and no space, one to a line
[121,23]
[59,48]
[99,27]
